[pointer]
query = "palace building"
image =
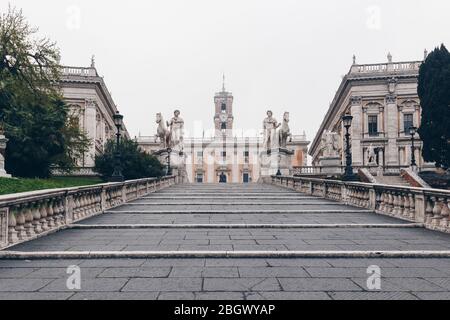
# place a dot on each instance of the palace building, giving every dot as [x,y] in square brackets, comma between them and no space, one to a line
[383,100]
[225,157]
[89,99]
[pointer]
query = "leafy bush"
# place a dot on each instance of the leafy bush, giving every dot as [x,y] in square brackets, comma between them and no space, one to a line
[135,163]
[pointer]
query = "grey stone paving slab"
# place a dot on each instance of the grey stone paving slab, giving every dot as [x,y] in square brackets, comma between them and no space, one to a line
[318,284]
[204,272]
[22,285]
[163,284]
[57,273]
[280,295]
[241,284]
[87,284]
[35,295]
[272,272]
[115,296]
[133,272]
[372,296]
[432,295]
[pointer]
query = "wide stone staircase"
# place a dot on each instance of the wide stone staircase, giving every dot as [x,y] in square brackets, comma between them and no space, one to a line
[224,241]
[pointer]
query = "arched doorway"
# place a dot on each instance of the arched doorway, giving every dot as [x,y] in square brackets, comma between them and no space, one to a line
[223,178]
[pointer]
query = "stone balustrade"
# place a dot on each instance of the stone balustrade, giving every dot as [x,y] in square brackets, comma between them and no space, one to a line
[28,215]
[421,205]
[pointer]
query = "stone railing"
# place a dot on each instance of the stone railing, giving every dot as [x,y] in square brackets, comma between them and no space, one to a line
[25,216]
[412,66]
[320,170]
[421,205]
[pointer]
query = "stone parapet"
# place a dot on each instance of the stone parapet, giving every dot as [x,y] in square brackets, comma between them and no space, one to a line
[431,207]
[26,216]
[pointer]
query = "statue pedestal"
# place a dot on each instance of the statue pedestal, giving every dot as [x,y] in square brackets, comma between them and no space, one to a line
[177,163]
[330,164]
[3,142]
[275,161]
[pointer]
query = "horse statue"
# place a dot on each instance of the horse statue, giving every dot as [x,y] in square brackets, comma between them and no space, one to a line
[162,133]
[284,132]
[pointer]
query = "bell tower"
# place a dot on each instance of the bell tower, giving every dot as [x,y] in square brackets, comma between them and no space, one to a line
[223,116]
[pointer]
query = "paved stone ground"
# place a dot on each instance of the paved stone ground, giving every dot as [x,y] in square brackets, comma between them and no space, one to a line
[232,278]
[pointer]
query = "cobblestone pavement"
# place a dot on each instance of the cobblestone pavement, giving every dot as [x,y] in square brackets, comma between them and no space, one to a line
[232,218]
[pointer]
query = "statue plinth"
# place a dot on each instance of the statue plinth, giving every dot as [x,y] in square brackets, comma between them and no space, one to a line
[278,160]
[177,162]
[330,164]
[3,141]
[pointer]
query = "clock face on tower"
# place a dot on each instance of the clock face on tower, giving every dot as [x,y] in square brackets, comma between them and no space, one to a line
[223,117]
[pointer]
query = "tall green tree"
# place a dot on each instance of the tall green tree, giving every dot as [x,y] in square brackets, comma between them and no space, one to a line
[434,94]
[35,118]
[135,163]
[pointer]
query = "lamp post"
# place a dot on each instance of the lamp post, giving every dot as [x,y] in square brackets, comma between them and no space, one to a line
[412,132]
[169,168]
[117,175]
[348,173]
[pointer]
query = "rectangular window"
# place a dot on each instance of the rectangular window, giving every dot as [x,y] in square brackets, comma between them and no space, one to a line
[199,154]
[373,125]
[408,122]
[199,178]
[224,154]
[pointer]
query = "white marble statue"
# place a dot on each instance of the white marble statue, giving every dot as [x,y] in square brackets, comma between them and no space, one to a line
[284,132]
[3,142]
[270,126]
[371,155]
[176,125]
[330,144]
[162,132]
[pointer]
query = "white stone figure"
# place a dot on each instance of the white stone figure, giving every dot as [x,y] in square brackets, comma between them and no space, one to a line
[176,126]
[162,132]
[330,144]
[371,155]
[3,142]
[270,126]
[284,132]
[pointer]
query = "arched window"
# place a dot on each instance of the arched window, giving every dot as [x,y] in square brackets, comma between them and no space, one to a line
[224,108]
[224,126]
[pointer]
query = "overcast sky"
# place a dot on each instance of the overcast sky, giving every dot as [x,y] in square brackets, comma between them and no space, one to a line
[286,55]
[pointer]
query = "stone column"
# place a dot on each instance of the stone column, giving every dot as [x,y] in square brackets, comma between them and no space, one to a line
[356,130]
[90,126]
[392,130]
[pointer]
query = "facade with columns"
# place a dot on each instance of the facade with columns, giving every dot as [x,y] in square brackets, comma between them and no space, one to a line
[383,100]
[90,101]
[235,159]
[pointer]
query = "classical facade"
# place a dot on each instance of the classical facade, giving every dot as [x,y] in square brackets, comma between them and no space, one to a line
[90,101]
[383,100]
[224,157]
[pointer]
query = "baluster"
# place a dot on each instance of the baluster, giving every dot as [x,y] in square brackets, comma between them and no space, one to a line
[429,211]
[406,212]
[36,218]
[28,221]
[43,213]
[445,212]
[436,212]
[20,222]
[50,217]
[412,206]
[12,233]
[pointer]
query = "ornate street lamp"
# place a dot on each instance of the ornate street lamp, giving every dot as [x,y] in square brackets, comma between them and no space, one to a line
[117,175]
[412,132]
[169,168]
[348,173]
